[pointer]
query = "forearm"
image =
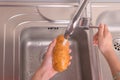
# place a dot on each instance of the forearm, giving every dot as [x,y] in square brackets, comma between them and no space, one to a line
[40,75]
[113,62]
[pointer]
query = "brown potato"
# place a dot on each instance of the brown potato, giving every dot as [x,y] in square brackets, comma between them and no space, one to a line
[61,55]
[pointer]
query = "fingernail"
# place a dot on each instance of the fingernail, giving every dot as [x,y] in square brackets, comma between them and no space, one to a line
[70,51]
[70,57]
[101,24]
[69,63]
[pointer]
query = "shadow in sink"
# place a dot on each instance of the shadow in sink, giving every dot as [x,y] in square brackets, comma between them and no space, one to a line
[34,42]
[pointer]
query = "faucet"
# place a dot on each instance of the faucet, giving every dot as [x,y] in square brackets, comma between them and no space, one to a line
[84,22]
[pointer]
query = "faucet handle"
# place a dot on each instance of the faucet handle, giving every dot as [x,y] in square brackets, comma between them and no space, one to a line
[85,23]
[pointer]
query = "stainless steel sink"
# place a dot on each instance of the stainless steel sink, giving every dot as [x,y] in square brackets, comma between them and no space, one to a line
[107,13]
[26,33]
[34,42]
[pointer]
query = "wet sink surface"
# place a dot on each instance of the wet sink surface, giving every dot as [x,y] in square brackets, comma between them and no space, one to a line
[34,43]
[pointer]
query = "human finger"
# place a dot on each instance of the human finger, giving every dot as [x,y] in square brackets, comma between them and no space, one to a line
[95,39]
[69,64]
[70,51]
[51,46]
[106,31]
[100,31]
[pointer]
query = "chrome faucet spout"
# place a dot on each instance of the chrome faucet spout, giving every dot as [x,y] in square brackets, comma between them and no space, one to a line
[76,18]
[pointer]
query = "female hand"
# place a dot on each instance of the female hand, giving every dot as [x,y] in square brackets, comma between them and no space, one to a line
[103,39]
[46,71]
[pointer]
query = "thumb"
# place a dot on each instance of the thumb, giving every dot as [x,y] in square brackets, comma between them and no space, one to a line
[51,46]
[95,39]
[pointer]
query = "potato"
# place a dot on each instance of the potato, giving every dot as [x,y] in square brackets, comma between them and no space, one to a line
[61,57]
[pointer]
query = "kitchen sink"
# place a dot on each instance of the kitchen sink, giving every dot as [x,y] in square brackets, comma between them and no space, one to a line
[26,31]
[107,13]
[34,43]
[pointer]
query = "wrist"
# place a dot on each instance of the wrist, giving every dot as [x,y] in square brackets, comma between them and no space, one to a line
[109,53]
[113,61]
[110,56]
[41,74]
[44,73]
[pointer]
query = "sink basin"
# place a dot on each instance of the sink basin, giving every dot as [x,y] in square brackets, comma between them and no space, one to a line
[25,35]
[107,13]
[34,43]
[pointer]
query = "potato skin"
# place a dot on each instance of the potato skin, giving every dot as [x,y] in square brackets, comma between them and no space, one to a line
[61,55]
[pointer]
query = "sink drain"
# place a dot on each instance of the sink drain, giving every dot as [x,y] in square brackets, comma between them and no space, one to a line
[116,43]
